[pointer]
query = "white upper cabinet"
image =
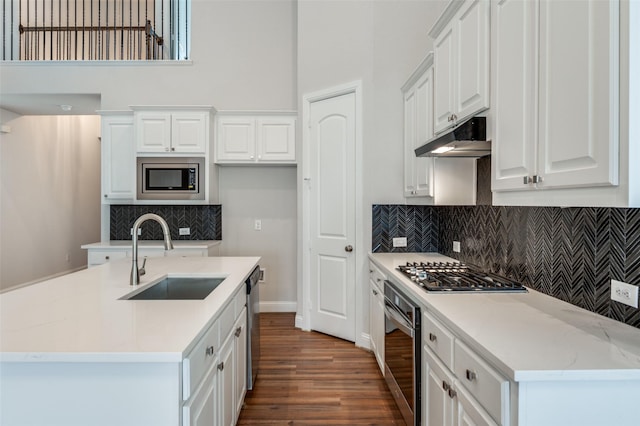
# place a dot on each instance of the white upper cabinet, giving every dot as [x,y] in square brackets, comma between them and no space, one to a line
[255,137]
[418,128]
[461,62]
[117,157]
[556,98]
[170,132]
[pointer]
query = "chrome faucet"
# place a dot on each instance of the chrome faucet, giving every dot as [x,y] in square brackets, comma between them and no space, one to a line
[168,245]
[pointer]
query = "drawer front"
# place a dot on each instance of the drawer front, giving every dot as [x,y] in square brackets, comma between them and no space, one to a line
[200,359]
[241,300]
[98,257]
[376,276]
[438,339]
[227,319]
[187,252]
[483,382]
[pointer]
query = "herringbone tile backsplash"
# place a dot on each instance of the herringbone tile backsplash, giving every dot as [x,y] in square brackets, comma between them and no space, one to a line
[205,222]
[569,253]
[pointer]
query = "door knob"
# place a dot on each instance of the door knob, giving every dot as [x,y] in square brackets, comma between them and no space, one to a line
[348,248]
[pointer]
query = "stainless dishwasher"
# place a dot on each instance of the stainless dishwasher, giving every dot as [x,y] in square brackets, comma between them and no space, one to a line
[253,325]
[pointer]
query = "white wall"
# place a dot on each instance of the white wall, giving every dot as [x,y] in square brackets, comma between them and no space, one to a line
[49,195]
[242,57]
[269,195]
[380,43]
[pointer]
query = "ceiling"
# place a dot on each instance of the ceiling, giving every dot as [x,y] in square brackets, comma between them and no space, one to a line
[50,104]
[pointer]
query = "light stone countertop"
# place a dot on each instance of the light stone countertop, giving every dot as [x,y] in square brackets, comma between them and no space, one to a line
[528,336]
[80,318]
[159,244]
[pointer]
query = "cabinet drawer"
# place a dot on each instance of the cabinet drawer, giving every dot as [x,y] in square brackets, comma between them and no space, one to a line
[438,339]
[485,384]
[187,252]
[200,359]
[376,276]
[240,300]
[98,257]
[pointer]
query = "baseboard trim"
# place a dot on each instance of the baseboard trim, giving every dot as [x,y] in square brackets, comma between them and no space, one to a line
[39,280]
[278,306]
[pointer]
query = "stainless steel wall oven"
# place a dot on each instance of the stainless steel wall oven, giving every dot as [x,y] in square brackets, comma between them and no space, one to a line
[402,351]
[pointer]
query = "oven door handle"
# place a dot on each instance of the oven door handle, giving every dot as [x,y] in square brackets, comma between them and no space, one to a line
[390,312]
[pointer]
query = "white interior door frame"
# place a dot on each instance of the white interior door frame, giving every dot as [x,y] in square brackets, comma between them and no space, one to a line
[303,318]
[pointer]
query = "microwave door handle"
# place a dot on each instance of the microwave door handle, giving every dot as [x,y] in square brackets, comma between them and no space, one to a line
[390,313]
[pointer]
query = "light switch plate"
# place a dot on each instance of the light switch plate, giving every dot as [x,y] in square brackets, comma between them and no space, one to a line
[624,293]
[257,225]
[456,246]
[400,242]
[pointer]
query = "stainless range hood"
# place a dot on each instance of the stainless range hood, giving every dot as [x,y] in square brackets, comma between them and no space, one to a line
[468,139]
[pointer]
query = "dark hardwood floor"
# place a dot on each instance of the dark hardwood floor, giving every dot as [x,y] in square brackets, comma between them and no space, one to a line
[308,378]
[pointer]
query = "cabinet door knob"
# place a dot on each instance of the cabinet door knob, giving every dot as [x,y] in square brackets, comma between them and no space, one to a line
[209,351]
[526,180]
[106,258]
[221,366]
[348,248]
[445,386]
[106,196]
[433,337]
[471,375]
[375,293]
[452,393]
[238,331]
[173,149]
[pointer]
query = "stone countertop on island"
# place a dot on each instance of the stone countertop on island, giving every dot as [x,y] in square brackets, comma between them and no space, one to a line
[80,318]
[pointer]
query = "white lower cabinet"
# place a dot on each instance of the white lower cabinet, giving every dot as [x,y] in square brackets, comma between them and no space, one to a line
[376,314]
[220,394]
[202,409]
[459,388]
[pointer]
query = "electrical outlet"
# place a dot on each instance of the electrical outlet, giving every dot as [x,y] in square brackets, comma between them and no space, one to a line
[456,246]
[400,242]
[263,274]
[257,225]
[624,293]
[184,231]
[139,231]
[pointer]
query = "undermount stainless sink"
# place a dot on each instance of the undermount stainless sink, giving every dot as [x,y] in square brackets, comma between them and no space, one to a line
[179,288]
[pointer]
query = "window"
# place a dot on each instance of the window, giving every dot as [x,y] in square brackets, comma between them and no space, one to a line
[90,30]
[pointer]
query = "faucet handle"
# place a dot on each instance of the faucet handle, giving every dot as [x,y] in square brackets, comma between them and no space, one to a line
[144,262]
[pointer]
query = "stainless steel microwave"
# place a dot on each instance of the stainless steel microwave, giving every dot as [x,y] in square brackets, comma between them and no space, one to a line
[175,178]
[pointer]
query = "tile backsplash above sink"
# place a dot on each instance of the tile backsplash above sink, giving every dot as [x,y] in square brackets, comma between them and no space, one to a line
[204,221]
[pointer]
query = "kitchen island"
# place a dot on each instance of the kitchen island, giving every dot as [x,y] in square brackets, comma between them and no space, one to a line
[519,358]
[74,352]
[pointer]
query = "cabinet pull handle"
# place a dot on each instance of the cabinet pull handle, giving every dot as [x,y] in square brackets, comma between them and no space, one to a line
[378,279]
[221,366]
[173,149]
[433,337]
[238,331]
[526,180]
[452,393]
[445,386]
[210,350]
[537,179]
[471,375]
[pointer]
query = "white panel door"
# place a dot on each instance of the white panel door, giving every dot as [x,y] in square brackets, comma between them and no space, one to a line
[578,140]
[444,67]
[276,139]
[472,59]
[514,86]
[189,132]
[332,216]
[153,131]
[236,139]
[118,159]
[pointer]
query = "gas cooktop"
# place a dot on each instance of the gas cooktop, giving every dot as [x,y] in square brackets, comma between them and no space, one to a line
[457,277]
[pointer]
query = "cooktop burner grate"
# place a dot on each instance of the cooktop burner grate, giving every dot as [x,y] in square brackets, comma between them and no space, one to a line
[457,277]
